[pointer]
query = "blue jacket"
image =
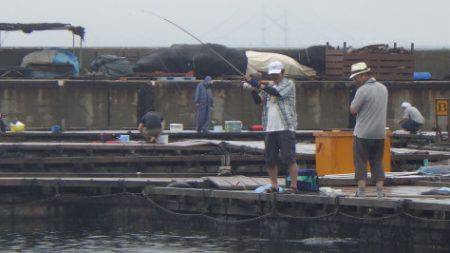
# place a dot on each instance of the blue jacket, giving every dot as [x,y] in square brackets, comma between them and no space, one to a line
[203,95]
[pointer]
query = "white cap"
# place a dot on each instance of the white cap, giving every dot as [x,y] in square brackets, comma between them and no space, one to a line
[358,68]
[406,105]
[275,67]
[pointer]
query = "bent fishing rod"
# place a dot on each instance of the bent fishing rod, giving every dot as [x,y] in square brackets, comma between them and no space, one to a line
[197,39]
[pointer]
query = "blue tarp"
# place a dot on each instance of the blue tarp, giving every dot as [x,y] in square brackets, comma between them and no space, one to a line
[67,57]
[51,63]
[434,170]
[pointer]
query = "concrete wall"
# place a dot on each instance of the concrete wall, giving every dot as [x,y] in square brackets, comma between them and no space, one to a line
[74,104]
[115,104]
[435,61]
[319,104]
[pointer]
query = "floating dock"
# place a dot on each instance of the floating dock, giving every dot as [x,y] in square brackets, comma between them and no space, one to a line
[177,183]
[229,205]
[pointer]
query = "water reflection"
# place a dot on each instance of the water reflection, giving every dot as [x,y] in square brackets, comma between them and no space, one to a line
[97,237]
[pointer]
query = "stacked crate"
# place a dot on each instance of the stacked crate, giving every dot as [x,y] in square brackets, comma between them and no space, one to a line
[384,65]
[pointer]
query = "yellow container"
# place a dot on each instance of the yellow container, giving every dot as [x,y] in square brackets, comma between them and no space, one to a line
[334,152]
[18,127]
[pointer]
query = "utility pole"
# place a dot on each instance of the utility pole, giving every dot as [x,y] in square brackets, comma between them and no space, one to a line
[280,21]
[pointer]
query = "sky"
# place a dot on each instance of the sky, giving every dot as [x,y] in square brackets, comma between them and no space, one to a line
[236,23]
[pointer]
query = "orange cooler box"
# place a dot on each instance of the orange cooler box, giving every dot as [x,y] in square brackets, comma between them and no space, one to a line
[334,153]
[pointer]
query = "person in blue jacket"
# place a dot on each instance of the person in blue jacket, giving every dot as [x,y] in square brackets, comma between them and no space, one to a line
[204,103]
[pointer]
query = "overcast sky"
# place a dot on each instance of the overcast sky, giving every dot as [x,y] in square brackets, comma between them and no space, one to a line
[246,23]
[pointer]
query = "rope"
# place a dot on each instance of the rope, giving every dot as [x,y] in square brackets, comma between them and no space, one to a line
[334,213]
[203,214]
[371,219]
[411,216]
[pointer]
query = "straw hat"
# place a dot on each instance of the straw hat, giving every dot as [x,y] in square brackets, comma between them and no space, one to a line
[358,68]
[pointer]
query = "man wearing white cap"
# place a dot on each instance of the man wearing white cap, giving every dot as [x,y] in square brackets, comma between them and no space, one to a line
[279,119]
[370,107]
[412,118]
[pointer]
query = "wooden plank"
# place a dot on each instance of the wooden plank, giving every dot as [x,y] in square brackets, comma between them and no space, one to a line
[383,64]
[109,174]
[242,195]
[372,56]
[432,183]
[371,202]
[113,159]
[334,65]
[101,146]
[313,198]
[170,191]
[430,204]
[333,72]
[88,182]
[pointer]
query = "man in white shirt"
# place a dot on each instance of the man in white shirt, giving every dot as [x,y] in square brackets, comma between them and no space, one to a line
[412,118]
[279,119]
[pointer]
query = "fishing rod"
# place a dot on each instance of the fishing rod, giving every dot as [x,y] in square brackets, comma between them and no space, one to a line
[197,39]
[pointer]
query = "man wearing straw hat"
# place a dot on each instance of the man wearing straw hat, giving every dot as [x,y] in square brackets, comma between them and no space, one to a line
[369,106]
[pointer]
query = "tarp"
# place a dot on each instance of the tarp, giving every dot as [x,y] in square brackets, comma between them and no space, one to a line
[259,62]
[184,58]
[28,28]
[51,58]
[112,66]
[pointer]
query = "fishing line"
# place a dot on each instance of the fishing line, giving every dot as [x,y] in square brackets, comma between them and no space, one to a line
[197,39]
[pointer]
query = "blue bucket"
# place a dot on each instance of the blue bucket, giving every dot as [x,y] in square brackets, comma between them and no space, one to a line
[55,129]
[124,138]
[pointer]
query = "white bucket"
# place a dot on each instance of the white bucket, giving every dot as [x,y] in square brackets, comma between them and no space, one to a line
[218,128]
[175,127]
[163,139]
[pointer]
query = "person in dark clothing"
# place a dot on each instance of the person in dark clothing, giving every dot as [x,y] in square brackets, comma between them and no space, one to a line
[151,125]
[351,116]
[2,123]
[204,103]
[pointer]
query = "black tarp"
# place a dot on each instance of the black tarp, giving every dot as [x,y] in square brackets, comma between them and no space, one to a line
[198,58]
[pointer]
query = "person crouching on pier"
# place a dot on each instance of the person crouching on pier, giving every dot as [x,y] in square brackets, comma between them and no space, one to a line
[412,118]
[370,107]
[279,119]
[151,126]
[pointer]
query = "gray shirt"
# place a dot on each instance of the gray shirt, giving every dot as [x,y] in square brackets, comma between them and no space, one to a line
[370,103]
[413,114]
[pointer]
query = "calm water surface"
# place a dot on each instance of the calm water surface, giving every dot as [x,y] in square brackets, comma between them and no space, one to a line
[89,238]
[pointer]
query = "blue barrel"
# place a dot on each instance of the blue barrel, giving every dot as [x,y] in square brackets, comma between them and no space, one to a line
[422,76]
